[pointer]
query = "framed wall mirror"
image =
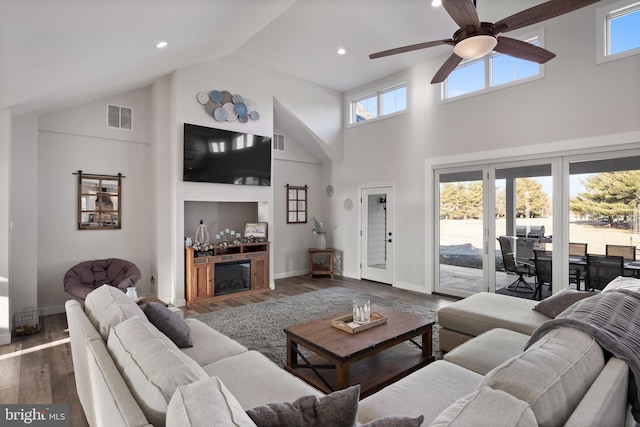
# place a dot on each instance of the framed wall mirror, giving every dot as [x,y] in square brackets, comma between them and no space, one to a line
[296,204]
[99,201]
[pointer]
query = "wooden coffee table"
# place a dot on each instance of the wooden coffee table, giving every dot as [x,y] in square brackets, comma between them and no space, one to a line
[372,358]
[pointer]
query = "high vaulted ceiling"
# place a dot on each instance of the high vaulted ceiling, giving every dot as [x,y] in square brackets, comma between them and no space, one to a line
[57,53]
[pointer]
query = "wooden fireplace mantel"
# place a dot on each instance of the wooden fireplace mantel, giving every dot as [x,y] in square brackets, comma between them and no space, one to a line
[200,271]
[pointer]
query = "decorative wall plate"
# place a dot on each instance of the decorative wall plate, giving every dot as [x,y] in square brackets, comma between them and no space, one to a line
[215,96]
[203,98]
[220,114]
[348,204]
[330,190]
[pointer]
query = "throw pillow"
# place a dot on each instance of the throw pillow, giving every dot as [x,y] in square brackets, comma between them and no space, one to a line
[173,326]
[396,422]
[559,302]
[206,403]
[336,409]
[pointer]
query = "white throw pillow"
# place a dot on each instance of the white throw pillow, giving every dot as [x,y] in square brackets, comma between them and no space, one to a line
[552,375]
[204,403]
[151,365]
[107,306]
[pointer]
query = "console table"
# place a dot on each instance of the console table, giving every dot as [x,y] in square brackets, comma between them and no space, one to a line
[200,271]
[318,262]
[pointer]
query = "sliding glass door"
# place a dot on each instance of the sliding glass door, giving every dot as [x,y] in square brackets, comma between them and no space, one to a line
[524,220]
[476,206]
[460,230]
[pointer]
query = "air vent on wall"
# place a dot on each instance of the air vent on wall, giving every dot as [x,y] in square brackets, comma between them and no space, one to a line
[119,117]
[278,142]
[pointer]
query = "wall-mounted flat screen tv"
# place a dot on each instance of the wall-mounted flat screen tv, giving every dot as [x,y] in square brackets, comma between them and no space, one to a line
[226,157]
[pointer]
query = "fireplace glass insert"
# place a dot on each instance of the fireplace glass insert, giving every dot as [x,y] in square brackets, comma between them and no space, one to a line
[232,277]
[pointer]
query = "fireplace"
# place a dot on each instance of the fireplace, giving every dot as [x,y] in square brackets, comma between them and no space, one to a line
[232,277]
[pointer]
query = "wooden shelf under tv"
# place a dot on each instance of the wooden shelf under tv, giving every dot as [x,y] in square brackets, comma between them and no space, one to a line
[200,271]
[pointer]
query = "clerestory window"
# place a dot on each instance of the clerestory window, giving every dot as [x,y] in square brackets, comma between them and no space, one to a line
[492,71]
[618,36]
[381,103]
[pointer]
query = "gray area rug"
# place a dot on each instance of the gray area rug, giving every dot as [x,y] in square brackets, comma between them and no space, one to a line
[260,326]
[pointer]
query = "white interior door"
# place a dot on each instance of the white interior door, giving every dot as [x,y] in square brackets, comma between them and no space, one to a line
[377,234]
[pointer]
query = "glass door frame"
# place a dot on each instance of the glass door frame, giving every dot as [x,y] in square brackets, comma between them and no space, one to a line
[560,207]
[487,265]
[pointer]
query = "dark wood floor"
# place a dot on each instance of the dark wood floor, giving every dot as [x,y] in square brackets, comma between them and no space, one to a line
[37,369]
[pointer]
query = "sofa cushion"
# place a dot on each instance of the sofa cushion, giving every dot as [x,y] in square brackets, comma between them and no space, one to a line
[107,306]
[487,407]
[560,301]
[151,365]
[488,350]
[485,310]
[209,345]
[173,326]
[552,375]
[238,373]
[112,403]
[605,404]
[338,409]
[205,403]
[427,391]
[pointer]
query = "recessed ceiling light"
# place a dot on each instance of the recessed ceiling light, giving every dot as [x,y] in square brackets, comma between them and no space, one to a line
[341,51]
[161,44]
[436,3]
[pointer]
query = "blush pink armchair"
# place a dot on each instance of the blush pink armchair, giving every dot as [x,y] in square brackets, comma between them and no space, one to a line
[89,275]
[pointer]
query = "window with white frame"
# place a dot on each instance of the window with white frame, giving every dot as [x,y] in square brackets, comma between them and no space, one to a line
[490,71]
[378,104]
[622,29]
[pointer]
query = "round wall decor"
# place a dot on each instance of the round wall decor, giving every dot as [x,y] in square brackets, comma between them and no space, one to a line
[348,204]
[330,190]
[224,106]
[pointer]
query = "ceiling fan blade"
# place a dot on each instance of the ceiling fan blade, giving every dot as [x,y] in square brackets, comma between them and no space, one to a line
[463,12]
[410,48]
[540,13]
[449,65]
[523,50]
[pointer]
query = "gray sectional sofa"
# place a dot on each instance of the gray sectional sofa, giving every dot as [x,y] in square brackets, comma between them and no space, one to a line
[128,373]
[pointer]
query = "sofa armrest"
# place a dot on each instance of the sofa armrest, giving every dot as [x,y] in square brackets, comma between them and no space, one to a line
[605,403]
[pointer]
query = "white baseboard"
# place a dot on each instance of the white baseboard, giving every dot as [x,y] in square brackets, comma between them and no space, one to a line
[5,339]
[411,287]
[56,309]
[290,274]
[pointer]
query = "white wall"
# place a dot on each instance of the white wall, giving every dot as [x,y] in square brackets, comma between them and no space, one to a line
[78,139]
[321,107]
[577,100]
[297,166]
[24,213]
[5,198]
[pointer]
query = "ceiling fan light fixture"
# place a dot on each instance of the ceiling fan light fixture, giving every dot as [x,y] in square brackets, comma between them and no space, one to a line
[475,46]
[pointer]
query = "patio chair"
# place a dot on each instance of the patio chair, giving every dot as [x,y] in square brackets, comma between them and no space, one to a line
[576,270]
[625,251]
[513,266]
[601,269]
[544,267]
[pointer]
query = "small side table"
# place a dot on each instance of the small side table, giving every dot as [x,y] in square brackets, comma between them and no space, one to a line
[318,263]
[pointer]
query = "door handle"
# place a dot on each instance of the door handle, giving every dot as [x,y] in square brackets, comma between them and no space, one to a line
[389,240]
